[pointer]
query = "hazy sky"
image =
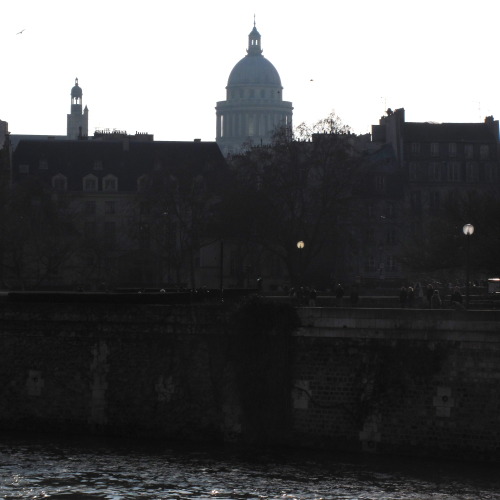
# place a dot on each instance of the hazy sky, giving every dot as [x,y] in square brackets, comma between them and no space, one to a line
[160,66]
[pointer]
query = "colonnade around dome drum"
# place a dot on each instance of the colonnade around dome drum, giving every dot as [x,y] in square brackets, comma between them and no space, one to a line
[250,124]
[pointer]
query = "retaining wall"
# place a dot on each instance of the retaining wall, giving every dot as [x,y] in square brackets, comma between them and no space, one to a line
[380,380]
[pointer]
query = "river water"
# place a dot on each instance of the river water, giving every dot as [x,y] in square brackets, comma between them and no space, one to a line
[76,468]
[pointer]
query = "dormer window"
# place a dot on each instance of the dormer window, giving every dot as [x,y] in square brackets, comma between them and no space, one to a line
[110,183]
[60,182]
[90,183]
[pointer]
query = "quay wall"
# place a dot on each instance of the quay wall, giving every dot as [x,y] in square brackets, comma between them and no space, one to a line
[415,382]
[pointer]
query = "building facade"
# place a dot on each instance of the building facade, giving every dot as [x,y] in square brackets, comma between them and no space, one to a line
[442,167]
[117,210]
[254,105]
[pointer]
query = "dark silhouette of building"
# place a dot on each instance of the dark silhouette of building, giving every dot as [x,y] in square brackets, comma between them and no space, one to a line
[137,209]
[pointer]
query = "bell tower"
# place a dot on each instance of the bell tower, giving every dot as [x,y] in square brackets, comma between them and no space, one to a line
[78,121]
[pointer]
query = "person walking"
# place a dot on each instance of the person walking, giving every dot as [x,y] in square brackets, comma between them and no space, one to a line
[428,293]
[411,296]
[456,298]
[436,300]
[339,295]
[403,295]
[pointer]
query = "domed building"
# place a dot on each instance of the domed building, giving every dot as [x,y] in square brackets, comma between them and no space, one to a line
[78,121]
[254,105]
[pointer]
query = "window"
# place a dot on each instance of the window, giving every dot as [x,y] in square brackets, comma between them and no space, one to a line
[97,164]
[391,237]
[471,171]
[43,164]
[484,151]
[59,182]
[90,228]
[141,183]
[434,149]
[434,201]
[370,264]
[413,170]
[90,183]
[490,172]
[454,171]
[379,183]
[90,207]
[24,169]
[469,151]
[390,263]
[390,209]
[415,202]
[434,171]
[262,93]
[452,149]
[109,207]
[110,183]
[415,147]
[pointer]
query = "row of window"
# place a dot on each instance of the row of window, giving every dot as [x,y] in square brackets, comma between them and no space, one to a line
[434,201]
[388,266]
[451,149]
[90,183]
[90,207]
[452,171]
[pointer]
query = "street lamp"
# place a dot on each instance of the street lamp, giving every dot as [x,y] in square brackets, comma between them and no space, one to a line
[468,230]
[300,246]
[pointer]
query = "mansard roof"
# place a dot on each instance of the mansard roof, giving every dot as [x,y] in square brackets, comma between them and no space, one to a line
[127,160]
[451,132]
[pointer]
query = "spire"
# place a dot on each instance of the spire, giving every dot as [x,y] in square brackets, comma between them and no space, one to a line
[254,41]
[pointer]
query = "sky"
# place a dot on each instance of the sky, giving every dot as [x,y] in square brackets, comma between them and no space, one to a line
[160,66]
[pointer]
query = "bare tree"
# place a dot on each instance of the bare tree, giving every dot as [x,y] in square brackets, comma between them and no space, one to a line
[296,189]
[39,237]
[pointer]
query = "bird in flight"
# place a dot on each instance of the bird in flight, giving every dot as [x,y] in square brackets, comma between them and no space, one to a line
[20,32]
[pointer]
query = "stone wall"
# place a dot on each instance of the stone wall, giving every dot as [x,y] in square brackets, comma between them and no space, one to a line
[397,381]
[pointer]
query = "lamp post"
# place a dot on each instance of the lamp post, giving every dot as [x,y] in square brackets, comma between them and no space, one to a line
[300,246]
[221,270]
[468,230]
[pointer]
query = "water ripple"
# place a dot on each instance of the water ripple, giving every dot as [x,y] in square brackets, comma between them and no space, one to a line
[120,470]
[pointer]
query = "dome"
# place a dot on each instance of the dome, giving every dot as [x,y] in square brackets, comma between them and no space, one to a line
[76,91]
[254,70]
